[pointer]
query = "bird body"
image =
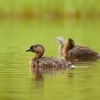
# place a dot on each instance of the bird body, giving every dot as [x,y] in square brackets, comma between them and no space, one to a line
[77,53]
[81,54]
[41,63]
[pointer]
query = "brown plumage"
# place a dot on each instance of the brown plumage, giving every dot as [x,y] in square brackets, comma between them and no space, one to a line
[41,63]
[76,53]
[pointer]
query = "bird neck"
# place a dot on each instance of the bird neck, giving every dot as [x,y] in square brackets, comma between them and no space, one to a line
[37,56]
[32,61]
[67,47]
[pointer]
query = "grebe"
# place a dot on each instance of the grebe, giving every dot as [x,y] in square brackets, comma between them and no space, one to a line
[77,53]
[39,63]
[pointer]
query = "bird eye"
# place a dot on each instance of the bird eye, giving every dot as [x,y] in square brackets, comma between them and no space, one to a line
[34,47]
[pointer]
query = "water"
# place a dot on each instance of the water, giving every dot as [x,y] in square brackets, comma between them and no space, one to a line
[17,83]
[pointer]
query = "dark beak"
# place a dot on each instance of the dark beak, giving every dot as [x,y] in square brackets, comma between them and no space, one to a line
[28,50]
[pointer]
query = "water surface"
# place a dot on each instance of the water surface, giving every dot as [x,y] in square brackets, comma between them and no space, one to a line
[17,83]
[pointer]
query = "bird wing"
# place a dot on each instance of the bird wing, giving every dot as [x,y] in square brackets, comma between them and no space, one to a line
[53,62]
[80,52]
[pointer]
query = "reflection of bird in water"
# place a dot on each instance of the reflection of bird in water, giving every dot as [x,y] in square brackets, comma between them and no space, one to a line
[37,81]
[38,76]
[41,63]
[75,53]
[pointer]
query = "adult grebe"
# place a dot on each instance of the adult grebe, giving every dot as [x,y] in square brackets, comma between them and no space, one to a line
[38,62]
[77,53]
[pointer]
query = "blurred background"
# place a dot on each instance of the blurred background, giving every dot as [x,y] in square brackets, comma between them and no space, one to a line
[40,21]
[49,10]
[26,22]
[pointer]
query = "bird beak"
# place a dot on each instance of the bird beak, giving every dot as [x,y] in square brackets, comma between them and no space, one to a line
[28,50]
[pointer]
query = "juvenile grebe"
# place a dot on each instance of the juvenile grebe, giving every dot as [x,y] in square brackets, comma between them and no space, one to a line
[38,62]
[76,53]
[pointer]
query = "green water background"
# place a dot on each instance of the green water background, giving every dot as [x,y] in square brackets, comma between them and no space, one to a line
[18,31]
